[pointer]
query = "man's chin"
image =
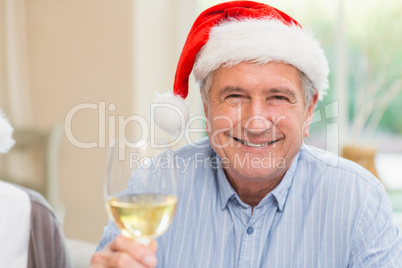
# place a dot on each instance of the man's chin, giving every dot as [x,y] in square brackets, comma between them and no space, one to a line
[264,162]
[258,172]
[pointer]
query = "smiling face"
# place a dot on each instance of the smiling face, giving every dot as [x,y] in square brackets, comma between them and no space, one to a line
[257,119]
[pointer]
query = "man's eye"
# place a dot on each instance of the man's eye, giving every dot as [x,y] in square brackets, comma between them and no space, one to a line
[280,98]
[234,96]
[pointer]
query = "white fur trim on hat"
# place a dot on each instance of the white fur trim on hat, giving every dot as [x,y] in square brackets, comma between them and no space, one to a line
[6,132]
[171,113]
[262,41]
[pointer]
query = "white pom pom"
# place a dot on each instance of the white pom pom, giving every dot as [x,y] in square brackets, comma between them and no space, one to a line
[171,113]
[6,133]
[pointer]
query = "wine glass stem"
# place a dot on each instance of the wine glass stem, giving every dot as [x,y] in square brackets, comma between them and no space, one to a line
[143,240]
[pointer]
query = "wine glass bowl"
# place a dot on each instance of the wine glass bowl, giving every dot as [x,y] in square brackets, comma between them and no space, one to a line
[141,189]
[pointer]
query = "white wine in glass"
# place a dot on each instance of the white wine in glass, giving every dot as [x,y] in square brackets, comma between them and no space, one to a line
[141,189]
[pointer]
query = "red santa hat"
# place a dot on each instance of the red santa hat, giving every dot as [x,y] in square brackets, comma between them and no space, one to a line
[6,132]
[239,31]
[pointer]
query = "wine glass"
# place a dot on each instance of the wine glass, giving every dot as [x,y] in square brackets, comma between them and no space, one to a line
[141,188]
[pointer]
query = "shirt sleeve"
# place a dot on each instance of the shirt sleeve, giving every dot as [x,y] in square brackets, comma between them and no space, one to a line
[46,240]
[377,241]
[110,232]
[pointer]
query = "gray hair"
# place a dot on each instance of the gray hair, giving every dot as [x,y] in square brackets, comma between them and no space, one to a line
[307,86]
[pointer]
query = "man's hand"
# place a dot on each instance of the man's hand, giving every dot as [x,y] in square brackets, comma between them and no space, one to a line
[125,252]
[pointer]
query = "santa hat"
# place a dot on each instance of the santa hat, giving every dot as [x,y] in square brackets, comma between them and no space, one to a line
[6,132]
[234,32]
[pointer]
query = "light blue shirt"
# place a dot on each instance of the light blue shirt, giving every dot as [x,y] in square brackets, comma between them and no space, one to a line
[326,212]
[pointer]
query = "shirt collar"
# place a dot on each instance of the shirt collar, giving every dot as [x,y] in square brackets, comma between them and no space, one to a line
[225,189]
[280,192]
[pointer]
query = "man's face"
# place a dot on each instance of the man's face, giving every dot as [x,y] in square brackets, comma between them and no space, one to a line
[257,119]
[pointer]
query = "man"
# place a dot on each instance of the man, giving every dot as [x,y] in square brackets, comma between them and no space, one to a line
[30,234]
[252,195]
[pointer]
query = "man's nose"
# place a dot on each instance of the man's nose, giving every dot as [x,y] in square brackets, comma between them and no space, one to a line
[256,117]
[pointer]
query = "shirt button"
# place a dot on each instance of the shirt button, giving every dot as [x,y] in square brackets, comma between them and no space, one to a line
[250,230]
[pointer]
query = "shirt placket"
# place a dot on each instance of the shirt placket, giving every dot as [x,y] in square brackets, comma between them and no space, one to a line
[248,252]
[256,230]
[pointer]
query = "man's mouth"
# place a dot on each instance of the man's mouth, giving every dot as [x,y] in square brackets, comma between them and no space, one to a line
[251,144]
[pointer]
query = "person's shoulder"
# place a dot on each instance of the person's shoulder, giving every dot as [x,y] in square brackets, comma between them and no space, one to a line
[39,200]
[39,205]
[200,147]
[34,197]
[11,190]
[327,162]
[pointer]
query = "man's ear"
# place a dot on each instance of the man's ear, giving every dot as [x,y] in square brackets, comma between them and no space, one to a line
[205,109]
[310,112]
[207,126]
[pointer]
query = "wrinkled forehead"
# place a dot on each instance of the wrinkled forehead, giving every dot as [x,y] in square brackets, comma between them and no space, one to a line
[262,41]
